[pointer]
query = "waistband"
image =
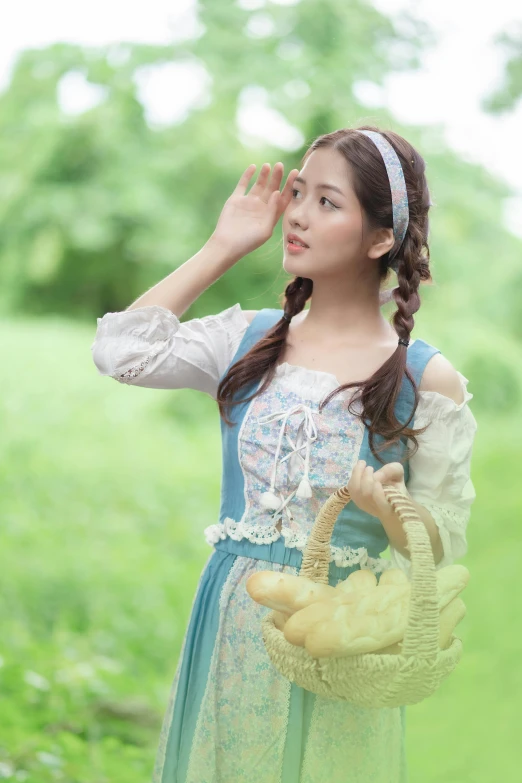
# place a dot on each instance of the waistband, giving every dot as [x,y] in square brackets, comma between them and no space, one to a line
[276,552]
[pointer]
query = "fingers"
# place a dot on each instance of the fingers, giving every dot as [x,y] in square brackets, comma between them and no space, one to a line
[277,176]
[286,194]
[245,178]
[367,481]
[259,187]
[273,205]
[364,480]
[355,478]
[379,497]
[359,469]
[366,487]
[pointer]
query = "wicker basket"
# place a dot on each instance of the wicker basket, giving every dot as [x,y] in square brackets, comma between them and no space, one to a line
[370,679]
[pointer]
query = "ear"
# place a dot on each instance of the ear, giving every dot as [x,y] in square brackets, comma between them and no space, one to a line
[383,241]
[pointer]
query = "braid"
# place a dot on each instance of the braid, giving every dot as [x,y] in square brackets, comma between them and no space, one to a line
[296,295]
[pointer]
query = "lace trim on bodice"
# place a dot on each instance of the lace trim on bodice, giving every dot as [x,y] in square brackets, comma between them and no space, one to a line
[342,556]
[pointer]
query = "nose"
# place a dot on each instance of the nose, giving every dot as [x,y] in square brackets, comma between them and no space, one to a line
[297,215]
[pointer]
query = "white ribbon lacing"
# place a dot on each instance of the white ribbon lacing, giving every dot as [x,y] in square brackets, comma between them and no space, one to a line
[304,490]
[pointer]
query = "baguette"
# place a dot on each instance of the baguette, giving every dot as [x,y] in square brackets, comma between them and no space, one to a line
[286,592]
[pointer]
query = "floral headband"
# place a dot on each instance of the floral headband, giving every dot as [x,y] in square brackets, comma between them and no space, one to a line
[401,214]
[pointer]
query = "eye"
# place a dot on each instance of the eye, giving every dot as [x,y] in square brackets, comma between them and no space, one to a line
[332,205]
[330,202]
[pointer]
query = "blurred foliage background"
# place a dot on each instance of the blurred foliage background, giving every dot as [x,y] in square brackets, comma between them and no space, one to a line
[104,493]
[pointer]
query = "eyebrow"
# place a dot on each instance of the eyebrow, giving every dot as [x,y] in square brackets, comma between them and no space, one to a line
[321,185]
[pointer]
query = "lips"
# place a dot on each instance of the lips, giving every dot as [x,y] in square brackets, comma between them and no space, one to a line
[294,239]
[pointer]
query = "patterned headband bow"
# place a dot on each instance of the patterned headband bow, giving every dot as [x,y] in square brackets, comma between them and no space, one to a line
[401,213]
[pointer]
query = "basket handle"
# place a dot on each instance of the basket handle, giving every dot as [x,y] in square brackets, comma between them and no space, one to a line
[421,637]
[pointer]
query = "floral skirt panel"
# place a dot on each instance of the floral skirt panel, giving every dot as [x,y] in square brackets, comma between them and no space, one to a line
[233,718]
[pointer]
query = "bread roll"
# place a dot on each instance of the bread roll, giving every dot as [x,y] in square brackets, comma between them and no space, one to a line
[358,615]
[345,634]
[451,581]
[450,617]
[286,592]
[301,622]
[357,604]
[280,619]
[393,576]
[361,580]
[379,600]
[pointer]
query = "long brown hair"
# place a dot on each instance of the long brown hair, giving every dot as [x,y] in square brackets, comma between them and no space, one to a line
[371,184]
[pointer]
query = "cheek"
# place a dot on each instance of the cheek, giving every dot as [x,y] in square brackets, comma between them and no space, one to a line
[341,233]
[335,232]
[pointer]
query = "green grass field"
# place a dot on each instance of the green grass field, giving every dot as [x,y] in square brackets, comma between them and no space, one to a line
[105,492]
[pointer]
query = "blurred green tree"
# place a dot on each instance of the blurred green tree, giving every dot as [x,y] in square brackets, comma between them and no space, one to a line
[505,96]
[99,206]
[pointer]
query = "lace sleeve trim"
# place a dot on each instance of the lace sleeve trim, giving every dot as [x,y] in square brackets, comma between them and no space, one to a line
[133,372]
[135,343]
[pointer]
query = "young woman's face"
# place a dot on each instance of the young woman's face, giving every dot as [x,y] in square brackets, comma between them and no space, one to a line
[325,214]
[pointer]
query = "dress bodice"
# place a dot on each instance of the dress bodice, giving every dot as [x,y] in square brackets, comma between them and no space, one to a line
[287,452]
[283,458]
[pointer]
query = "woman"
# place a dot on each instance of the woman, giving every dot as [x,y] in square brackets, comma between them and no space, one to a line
[293,434]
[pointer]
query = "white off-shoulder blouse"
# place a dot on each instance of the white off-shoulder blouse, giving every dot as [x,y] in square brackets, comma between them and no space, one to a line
[151,347]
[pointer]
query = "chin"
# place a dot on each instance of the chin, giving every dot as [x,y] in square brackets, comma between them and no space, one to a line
[297,269]
[291,267]
[293,262]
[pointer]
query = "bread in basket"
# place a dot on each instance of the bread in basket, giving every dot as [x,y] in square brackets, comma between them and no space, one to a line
[329,625]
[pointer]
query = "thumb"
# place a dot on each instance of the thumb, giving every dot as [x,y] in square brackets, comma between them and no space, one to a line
[393,471]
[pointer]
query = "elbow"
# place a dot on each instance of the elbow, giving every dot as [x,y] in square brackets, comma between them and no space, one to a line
[125,372]
[101,359]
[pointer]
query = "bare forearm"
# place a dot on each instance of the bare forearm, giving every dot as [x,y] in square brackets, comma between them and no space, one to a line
[397,535]
[185,284]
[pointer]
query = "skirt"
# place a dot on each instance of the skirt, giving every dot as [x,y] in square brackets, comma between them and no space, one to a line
[233,718]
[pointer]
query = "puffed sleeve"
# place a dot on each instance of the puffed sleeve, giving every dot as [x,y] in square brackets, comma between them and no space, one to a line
[440,471]
[150,346]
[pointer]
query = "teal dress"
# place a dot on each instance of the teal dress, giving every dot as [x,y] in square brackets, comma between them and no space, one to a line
[231,717]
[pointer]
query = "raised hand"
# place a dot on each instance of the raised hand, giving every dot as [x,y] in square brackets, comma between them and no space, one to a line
[247,220]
